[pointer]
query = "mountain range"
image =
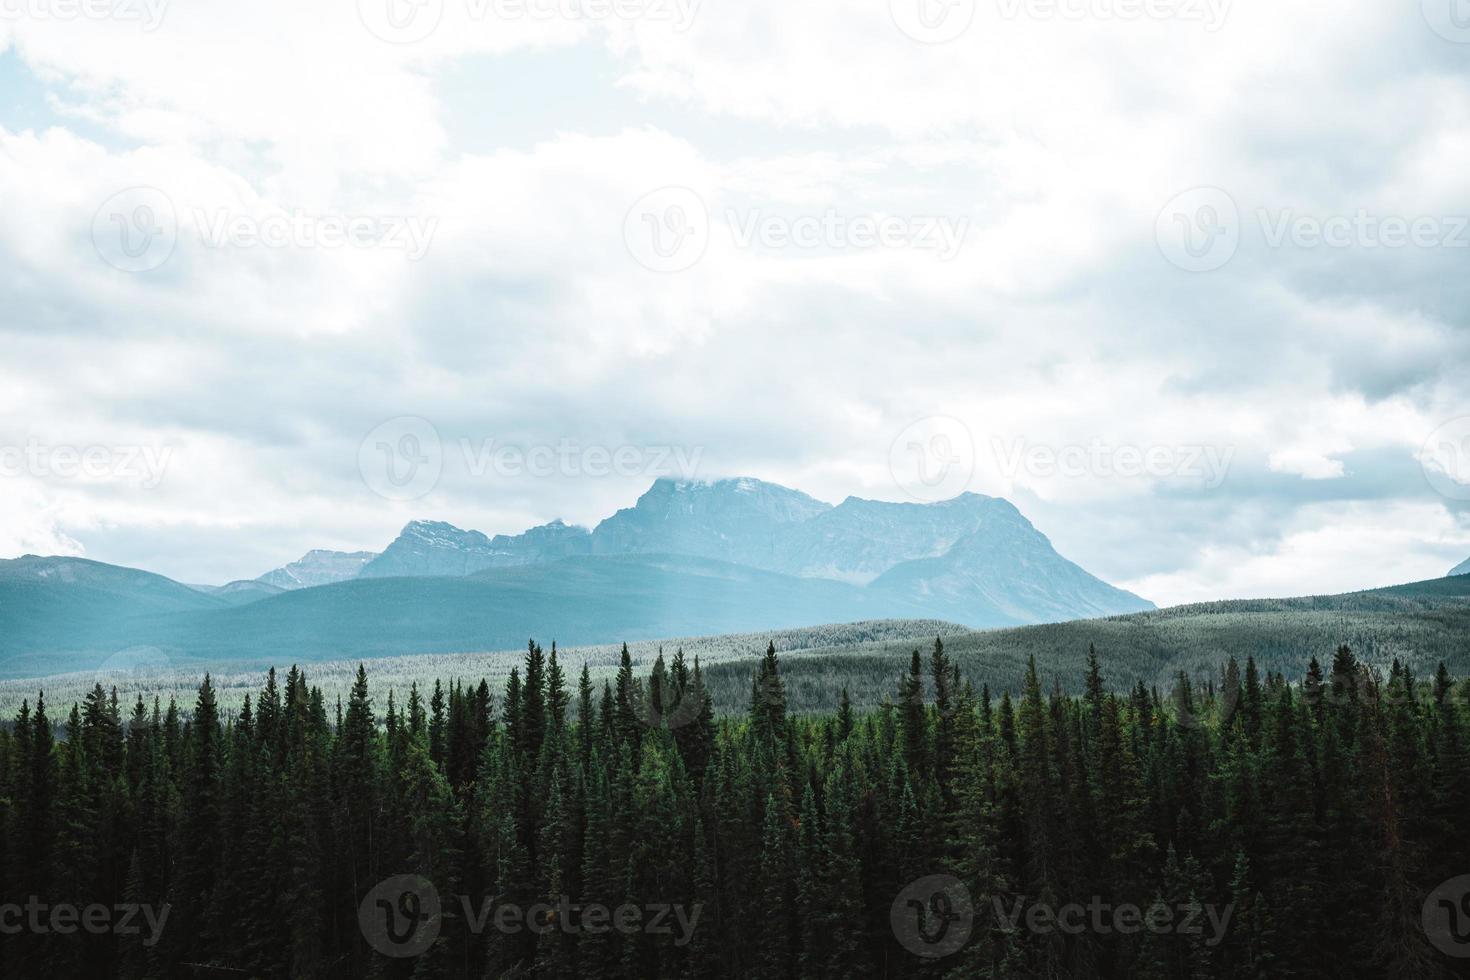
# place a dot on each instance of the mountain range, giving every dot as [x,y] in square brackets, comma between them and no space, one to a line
[688,557]
[973,553]
[426,548]
[1461,569]
[318,567]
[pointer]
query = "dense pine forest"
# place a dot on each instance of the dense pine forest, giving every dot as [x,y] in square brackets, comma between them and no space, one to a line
[1248,825]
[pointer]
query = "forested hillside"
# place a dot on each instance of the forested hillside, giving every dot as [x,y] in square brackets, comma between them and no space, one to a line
[148,672]
[1247,827]
[1421,624]
[583,601]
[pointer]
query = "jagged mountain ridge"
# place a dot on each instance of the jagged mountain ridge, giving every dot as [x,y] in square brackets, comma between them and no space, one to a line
[985,562]
[428,548]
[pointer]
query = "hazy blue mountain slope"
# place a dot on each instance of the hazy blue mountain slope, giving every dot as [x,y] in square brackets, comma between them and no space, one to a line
[245,591]
[859,540]
[61,575]
[740,521]
[318,567]
[578,601]
[335,677]
[1461,569]
[1009,570]
[55,610]
[974,558]
[1421,623]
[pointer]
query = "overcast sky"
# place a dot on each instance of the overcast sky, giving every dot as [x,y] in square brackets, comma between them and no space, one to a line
[1186,280]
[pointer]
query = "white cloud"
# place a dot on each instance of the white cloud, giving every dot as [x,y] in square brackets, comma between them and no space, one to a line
[1338,548]
[1312,375]
[1306,464]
